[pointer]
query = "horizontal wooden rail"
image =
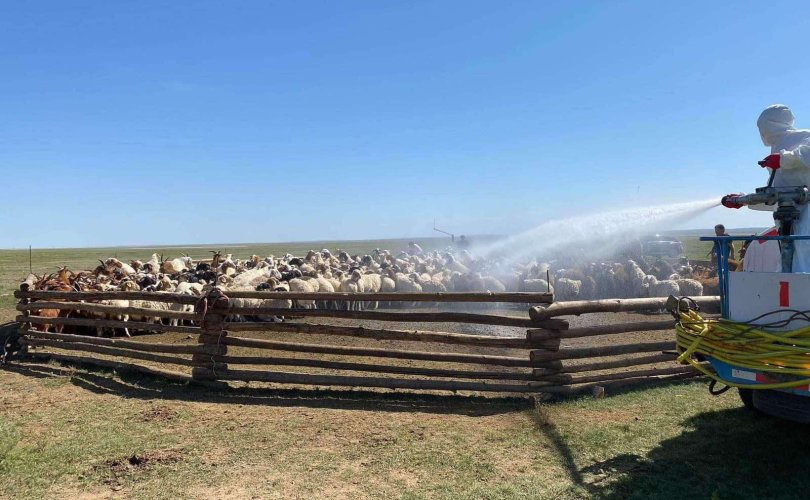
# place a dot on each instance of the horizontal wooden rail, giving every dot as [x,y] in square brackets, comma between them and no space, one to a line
[597,352]
[608,365]
[153,296]
[119,366]
[563,378]
[537,334]
[420,317]
[110,351]
[400,383]
[342,331]
[108,323]
[578,307]
[383,334]
[414,317]
[611,383]
[365,381]
[107,309]
[513,297]
[131,344]
[365,367]
[483,359]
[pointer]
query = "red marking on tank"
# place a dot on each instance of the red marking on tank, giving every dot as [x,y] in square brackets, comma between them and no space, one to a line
[784,294]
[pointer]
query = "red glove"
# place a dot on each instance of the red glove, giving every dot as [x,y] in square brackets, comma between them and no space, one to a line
[770,161]
[727,201]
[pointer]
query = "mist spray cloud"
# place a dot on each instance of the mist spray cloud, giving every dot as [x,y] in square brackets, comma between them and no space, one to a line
[597,234]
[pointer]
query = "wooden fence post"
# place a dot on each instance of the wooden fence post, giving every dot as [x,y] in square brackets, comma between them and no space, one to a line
[550,343]
[24,287]
[211,311]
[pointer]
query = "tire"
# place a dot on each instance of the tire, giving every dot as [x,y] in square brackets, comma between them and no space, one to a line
[783,405]
[747,397]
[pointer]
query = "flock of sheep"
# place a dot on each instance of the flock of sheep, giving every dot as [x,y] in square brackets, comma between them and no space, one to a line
[411,271]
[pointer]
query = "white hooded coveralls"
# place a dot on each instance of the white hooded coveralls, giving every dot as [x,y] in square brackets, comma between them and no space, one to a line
[763,256]
[776,129]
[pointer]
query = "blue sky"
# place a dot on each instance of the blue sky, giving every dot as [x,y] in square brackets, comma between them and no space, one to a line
[192,122]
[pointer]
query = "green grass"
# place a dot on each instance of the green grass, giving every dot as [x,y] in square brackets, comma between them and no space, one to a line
[699,250]
[8,437]
[694,248]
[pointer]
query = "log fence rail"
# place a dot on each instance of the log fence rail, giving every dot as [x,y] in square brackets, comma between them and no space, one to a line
[537,362]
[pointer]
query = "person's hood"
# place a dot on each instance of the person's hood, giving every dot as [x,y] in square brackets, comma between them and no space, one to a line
[774,122]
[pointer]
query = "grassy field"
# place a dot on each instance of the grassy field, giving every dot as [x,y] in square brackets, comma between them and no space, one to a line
[75,432]
[66,432]
[699,250]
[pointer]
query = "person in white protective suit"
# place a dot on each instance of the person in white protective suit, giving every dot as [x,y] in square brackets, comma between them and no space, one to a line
[790,159]
[763,256]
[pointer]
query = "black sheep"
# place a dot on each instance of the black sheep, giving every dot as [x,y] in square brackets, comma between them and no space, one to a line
[147,281]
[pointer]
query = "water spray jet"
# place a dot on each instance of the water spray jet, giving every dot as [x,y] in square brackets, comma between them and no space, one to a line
[596,234]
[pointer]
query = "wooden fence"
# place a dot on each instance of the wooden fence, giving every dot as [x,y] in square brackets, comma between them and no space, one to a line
[210,348]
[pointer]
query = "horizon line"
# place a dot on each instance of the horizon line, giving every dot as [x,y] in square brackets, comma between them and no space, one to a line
[245,244]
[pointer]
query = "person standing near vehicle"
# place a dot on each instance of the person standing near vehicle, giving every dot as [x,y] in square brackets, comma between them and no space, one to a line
[720,230]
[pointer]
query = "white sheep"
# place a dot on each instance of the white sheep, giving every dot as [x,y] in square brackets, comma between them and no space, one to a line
[325,286]
[567,289]
[404,284]
[537,285]
[116,316]
[304,286]
[153,264]
[352,285]
[372,283]
[178,265]
[250,278]
[155,305]
[690,287]
[664,288]
[239,302]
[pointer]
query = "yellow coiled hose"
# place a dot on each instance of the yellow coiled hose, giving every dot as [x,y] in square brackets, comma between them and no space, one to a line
[744,346]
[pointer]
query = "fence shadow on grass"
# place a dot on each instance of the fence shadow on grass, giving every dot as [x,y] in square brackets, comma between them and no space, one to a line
[139,386]
[733,453]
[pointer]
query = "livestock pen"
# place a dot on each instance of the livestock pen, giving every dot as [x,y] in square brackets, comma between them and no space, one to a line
[547,356]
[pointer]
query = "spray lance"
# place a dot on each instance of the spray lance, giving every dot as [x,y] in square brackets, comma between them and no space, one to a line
[786,200]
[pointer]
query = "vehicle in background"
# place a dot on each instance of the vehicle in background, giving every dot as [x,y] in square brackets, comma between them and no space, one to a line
[662,246]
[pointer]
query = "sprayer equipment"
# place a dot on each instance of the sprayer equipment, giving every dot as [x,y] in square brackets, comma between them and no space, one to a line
[761,342]
[786,200]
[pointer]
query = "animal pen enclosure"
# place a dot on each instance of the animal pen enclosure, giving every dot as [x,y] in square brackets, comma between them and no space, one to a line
[200,345]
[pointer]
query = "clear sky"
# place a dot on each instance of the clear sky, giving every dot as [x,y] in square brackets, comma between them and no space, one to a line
[191,122]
